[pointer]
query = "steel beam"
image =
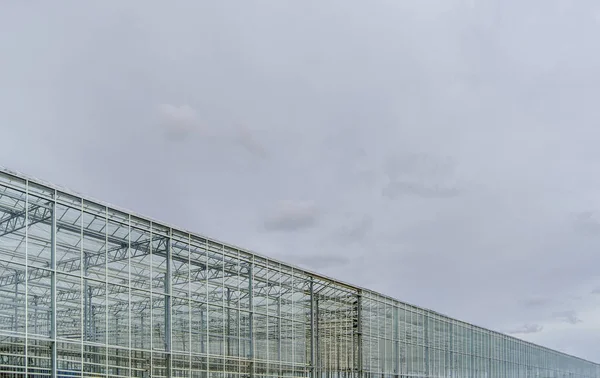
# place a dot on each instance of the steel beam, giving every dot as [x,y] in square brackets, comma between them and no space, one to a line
[16,221]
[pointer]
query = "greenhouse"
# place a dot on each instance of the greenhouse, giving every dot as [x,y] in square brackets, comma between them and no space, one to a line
[88,290]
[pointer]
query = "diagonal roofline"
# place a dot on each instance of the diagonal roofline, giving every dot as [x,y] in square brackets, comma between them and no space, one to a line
[358,289]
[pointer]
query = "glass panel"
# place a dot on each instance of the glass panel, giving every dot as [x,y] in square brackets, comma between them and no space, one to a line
[39,306]
[94,360]
[12,298]
[139,255]
[69,307]
[199,329]
[39,362]
[69,359]
[180,325]
[13,221]
[118,315]
[159,338]
[140,320]
[94,311]
[118,362]
[39,235]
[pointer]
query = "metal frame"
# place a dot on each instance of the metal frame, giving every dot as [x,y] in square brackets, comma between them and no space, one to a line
[87,289]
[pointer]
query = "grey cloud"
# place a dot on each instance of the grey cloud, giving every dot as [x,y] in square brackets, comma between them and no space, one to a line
[421,175]
[585,222]
[336,113]
[419,165]
[292,216]
[536,302]
[596,290]
[321,262]
[248,141]
[179,122]
[570,316]
[396,189]
[525,329]
[355,230]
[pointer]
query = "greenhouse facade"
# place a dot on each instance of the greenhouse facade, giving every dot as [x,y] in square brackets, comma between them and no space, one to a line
[88,290]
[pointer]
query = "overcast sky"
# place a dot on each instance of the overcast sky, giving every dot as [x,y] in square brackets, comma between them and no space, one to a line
[444,152]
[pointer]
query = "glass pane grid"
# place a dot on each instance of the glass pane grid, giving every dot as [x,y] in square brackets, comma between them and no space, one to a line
[89,291]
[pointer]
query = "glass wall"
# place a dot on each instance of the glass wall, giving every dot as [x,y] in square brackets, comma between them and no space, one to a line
[400,340]
[87,290]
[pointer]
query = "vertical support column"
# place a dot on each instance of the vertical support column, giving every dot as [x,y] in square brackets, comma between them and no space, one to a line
[129,313]
[426,342]
[168,299]
[26,278]
[151,250]
[238,323]
[251,315]
[489,355]
[203,339]
[338,350]
[502,366]
[228,322]
[189,301]
[83,288]
[396,336]
[86,297]
[224,343]
[279,320]
[317,361]
[15,322]
[471,352]
[452,375]
[293,333]
[359,332]
[312,329]
[106,299]
[142,328]
[54,356]
[117,341]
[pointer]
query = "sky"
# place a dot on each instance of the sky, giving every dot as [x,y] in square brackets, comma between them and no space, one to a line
[442,152]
